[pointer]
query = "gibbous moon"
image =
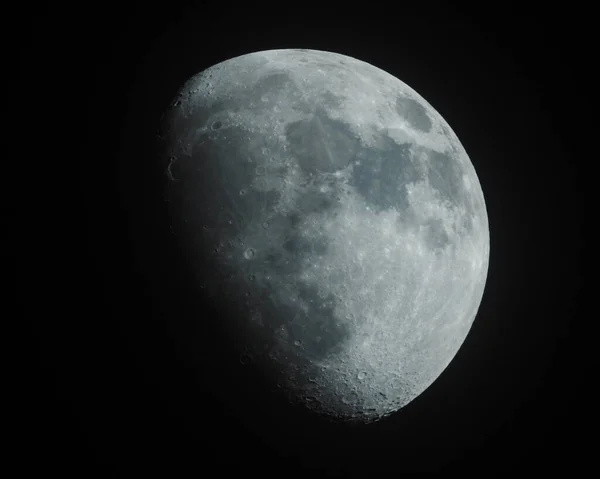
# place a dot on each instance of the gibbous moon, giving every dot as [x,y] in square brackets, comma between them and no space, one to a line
[335,219]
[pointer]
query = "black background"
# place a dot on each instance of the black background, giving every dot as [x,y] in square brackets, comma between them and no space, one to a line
[112,386]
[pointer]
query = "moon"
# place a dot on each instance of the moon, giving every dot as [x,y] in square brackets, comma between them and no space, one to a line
[333,217]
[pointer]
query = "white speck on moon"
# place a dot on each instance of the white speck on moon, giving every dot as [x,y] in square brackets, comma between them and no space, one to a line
[408,306]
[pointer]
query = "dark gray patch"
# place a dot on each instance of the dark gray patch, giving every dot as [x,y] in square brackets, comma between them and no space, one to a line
[436,236]
[269,88]
[328,66]
[214,218]
[315,202]
[330,100]
[383,173]
[286,231]
[212,178]
[413,112]
[321,144]
[302,106]
[317,329]
[445,175]
[273,82]
[302,246]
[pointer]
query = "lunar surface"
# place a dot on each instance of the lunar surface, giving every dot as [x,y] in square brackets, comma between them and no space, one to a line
[334,218]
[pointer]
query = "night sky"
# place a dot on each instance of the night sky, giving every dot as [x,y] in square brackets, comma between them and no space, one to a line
[114,385]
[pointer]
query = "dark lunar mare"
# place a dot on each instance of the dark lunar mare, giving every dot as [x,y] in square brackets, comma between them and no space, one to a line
[381,174]
[414,113]
[214,207]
